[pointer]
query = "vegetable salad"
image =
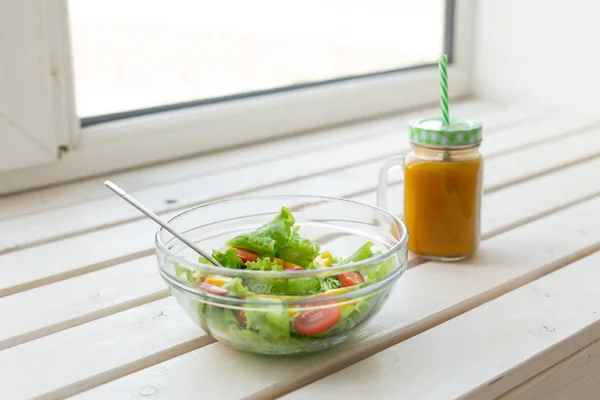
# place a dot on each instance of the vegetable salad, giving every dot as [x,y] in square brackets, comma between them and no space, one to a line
[269,318]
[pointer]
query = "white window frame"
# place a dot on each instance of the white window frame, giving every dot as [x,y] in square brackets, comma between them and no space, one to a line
[36,102]
[133,142]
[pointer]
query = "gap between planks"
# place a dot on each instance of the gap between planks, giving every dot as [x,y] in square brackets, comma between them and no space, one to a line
[25,237]
[150,287]
[550,156]
[505,262]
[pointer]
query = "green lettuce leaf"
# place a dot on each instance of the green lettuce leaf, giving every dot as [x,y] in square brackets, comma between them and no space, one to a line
[215,317]
[362,253]
[292,286]
[263,264]
[353,315]
[236,288]
[203,260]
[267,239]
[250,339]
[183,271]
[299,250]
[228,258]
[381,271]
[257,342]
[273,324]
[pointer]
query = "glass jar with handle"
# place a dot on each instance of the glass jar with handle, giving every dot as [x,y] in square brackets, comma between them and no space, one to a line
[443,174]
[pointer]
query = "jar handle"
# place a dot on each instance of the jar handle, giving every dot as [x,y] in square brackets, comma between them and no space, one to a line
[397,161]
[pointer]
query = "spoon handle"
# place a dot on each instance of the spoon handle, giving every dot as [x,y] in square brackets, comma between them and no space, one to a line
[145,210]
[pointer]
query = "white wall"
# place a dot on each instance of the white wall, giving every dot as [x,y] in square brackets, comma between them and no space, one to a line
[540,51]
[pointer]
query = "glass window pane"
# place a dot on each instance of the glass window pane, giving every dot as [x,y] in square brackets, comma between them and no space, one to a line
[134,54]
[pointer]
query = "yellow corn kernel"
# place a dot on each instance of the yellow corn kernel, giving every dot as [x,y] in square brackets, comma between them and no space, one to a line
[217,280]
[339,291]
[327,254]
[292,312]
[325,262]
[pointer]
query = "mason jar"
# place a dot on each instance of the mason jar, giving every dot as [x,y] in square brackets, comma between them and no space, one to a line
[443,177]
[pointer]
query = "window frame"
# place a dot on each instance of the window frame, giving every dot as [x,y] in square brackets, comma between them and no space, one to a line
[36,101]
[103,148]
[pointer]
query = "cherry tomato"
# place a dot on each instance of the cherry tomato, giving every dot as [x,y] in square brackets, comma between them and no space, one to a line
[350,278]
[314,322]
[241,317]
[212,289]
[245,255]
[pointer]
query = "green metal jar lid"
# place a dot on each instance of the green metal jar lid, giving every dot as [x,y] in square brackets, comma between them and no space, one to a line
[434,133]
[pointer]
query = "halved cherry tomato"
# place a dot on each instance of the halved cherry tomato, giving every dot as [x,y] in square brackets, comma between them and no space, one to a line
[351,278]
[212,289]
[244,255]
[314,322]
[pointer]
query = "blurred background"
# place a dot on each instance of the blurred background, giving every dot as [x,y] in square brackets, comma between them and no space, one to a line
[144,53]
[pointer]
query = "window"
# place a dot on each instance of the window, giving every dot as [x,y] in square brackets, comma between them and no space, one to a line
[90,80]
[140,54]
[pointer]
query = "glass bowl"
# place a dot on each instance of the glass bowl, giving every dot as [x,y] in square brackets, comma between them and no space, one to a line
[279,314]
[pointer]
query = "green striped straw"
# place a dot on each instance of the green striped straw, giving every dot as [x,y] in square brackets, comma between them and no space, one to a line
[444,89]
[444,96]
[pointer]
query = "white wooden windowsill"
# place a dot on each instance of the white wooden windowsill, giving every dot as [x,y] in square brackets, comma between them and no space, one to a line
[79,291]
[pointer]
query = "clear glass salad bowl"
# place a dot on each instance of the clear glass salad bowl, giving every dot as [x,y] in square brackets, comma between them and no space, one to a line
[284,301]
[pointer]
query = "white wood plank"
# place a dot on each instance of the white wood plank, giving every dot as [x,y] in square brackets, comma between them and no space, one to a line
[84,356]
[81,254]
[577,377]
[90,296]
[424,297]
[37,228]
[91,189]
[485,352]
[79,300]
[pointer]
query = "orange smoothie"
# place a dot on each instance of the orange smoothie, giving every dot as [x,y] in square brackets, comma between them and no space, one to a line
[442,203]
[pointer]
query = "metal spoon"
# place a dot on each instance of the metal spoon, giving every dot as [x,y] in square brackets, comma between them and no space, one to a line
[145,210]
